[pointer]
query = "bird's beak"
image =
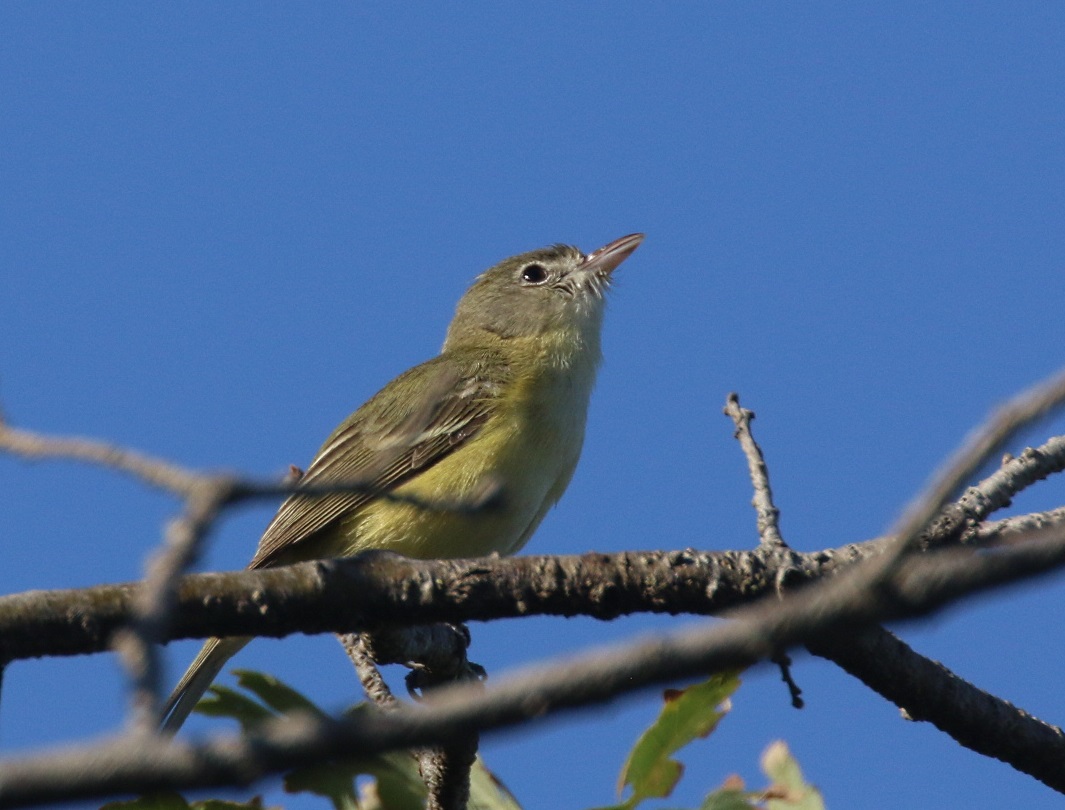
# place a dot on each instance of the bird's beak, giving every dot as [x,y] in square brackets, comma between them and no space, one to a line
[605,261]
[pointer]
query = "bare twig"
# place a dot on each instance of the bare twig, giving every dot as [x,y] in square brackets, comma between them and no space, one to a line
[768,514]
[1016,474]
[155,471]
[1017,529]
[768,521]
[445,769]
[979,501]
[437,654]
[783,662]
[355,645]
[183,482]
[157,595]
[953,703]
[918,519]
[984,443]
[833,596]
[204,497]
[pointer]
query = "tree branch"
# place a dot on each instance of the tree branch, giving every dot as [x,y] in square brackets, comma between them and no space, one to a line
[921,585]
[378,588]
[927,690]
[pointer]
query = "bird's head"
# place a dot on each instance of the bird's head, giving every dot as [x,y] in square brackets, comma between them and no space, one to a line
[556,289]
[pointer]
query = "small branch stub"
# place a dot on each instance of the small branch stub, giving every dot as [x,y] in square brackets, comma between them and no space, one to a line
[768,514]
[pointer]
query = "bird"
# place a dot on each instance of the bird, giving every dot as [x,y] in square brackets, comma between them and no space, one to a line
[503,407]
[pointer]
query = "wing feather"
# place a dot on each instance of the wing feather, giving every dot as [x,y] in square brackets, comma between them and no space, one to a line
[385,443]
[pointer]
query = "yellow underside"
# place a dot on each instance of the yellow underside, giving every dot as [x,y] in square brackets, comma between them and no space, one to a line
[529,449]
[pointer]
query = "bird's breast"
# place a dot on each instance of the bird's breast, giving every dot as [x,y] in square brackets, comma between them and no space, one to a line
[527,451]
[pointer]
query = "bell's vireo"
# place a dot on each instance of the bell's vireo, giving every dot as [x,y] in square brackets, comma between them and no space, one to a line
[503,404]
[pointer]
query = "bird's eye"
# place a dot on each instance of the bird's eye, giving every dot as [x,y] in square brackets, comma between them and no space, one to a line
[534,274]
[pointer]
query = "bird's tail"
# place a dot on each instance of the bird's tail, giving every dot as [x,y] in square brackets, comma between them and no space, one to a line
[200,674]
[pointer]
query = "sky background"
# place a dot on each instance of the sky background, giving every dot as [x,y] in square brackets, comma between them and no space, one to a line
[224,226]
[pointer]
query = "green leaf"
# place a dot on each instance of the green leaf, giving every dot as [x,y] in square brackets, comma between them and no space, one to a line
[334,782]
[729,798]
[225,702]
[688,714]
[397,784]
[487,792]
[274,698]
[789,790]
[276,694]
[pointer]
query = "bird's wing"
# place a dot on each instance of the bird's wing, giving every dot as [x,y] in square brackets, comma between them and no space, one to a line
[386,442]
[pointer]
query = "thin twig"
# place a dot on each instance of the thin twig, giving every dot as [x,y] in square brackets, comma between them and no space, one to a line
[984,443]
[204,497]
[183,482]
[157,595]
[1016,474]
[437,656]
[1018,528]
[768,514]
[783,663]
[871,576]
[155,471]
[355,645]
[768,521]
[925,689]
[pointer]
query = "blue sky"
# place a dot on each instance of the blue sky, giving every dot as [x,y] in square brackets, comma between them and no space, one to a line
[224,226]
